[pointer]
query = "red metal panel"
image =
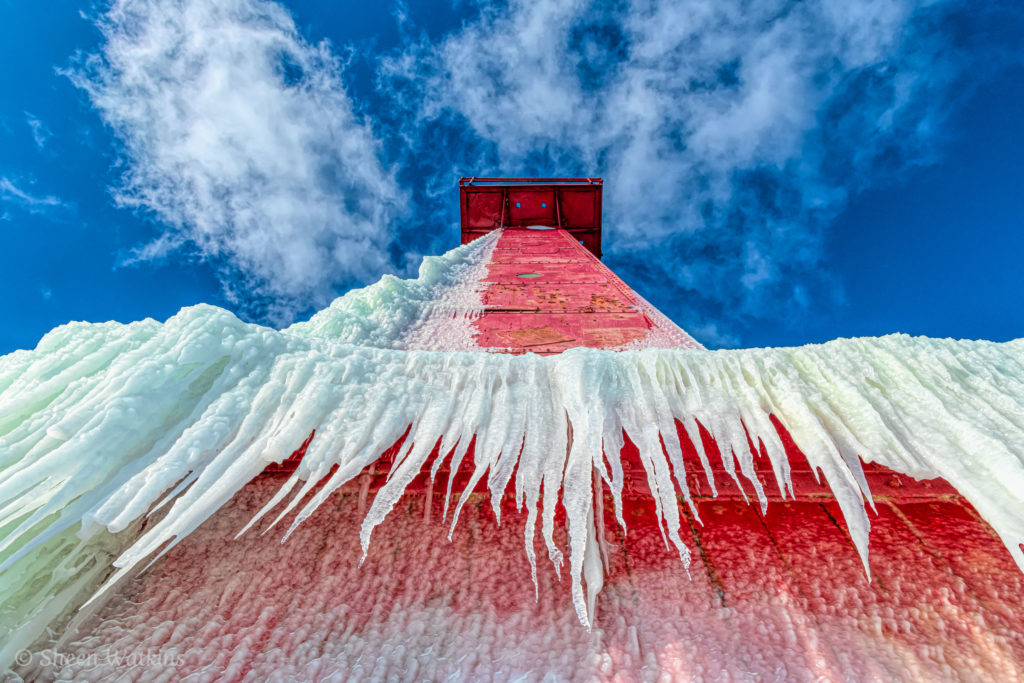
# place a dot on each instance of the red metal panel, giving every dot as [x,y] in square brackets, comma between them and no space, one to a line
[571,203]
[532,206]
[546,293]
[580,209]
[483,209]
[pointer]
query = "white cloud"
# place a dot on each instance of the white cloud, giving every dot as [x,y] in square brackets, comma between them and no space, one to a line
[10,193]
[40,133]
[715,124]
[239,136]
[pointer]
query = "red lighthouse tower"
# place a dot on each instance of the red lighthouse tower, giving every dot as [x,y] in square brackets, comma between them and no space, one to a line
[776,593]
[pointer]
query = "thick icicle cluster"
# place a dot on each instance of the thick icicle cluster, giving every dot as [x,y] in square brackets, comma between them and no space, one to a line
[102,423]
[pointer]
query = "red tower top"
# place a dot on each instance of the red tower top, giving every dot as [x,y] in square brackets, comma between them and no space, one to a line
[573,204]
[546,289]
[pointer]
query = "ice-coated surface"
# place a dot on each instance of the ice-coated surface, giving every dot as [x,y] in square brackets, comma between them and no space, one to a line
[665,334]
[432,311]
[781,598]
[101,422]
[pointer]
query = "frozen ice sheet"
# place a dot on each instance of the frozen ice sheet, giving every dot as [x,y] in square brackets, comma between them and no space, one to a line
[102,423]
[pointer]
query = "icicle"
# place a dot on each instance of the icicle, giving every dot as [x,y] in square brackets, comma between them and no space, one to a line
[593,569]
[596,563]
[428,501]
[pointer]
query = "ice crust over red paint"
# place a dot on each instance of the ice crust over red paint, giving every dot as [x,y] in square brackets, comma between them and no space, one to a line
[778,598]
[102,423]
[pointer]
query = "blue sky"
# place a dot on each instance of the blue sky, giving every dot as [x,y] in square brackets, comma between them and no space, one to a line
[776,173]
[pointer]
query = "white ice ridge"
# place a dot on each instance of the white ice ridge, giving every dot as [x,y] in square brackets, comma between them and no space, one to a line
[663,334]
[102,423]
[431,312]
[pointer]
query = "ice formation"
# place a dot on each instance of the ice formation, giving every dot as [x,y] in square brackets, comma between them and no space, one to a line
[102,424]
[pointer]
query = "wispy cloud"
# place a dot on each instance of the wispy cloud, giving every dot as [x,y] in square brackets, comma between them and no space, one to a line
[25,200]
[730,133]
[41,134]
[240,137]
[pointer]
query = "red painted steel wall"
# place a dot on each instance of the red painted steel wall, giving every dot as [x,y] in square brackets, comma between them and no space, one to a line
[574,204]
[547,293]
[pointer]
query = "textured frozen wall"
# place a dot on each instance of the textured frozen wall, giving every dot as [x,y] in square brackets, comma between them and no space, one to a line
[779,598]
[102,422]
